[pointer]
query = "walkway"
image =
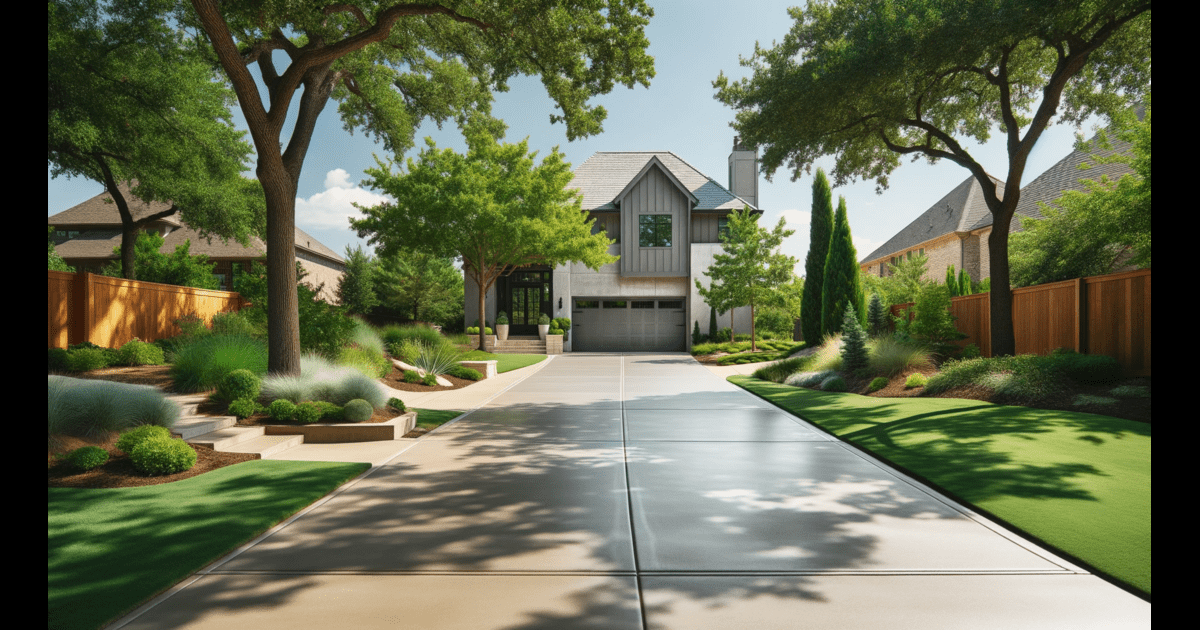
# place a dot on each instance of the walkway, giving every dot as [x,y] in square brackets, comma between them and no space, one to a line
[638,491]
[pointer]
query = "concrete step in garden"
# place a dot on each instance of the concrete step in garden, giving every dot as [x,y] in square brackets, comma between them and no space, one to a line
[228,437]
[267,445]
[189,427]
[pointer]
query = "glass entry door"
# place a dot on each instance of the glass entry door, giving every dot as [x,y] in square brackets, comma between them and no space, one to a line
[528,300]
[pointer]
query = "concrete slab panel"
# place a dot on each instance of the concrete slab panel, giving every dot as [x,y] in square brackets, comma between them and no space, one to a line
[799,506]
[731,425]
[428,602]
[912,602]
[692,400]
[467,505]
[538,422]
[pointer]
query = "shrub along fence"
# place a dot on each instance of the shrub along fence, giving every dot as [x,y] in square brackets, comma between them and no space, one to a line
[110,311]
[1107,314]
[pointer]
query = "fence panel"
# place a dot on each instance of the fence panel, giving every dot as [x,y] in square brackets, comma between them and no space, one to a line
[1118,321]
[110,311]
[1045,317]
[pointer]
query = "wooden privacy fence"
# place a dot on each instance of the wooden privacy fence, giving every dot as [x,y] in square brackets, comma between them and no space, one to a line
[1107,314]
[110,311]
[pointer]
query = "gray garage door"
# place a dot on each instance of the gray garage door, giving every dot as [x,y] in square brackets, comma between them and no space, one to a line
[628,325]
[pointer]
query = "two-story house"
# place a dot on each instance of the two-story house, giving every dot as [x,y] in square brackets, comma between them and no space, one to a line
[665,218]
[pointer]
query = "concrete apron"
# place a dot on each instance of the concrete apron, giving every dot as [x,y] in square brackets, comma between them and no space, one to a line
[638,491]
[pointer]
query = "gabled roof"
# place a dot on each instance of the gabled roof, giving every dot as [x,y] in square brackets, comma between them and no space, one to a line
[603,177]
[961,210]
[105,220]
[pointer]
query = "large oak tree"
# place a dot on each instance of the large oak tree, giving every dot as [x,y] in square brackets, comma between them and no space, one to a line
[391,65]
[133,105]
[871,81]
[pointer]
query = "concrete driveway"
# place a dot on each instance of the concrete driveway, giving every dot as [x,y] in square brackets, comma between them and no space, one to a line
[639,491]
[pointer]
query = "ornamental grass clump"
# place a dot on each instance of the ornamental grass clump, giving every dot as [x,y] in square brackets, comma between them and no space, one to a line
[437,360]
[320,380]
[809,379]
[828,357]
[202,364]
[88,408]
[779,371]
[891,357]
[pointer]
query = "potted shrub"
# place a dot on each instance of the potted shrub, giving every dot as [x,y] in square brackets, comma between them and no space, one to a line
[543,326]
[502,326]
[565,324]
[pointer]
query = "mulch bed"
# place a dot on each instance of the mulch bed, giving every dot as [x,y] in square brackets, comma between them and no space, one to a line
[118,471]
[395,380]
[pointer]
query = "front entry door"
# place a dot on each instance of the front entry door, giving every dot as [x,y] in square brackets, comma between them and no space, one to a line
[528,299]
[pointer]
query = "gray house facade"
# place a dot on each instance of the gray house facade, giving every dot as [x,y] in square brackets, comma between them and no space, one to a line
[665,218]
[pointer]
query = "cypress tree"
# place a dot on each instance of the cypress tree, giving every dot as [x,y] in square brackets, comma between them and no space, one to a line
[951,281]
[964,282]
[820,231]
[842,285]
[854,342]
[877,316]
[712,324]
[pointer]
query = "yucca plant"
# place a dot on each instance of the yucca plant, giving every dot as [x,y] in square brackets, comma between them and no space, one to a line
[437,360]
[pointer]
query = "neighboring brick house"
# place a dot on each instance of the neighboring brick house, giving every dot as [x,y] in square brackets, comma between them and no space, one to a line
[87,234]
[954,231]
[665,217]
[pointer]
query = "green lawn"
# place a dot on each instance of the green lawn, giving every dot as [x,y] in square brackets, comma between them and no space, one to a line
[432,418]
[505,362]
[1078,482]
[110,550]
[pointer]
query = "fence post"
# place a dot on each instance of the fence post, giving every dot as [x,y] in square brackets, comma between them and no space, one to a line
[1081,316]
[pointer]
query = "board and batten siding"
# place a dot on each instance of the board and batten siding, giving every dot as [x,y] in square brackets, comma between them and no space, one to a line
[655,193]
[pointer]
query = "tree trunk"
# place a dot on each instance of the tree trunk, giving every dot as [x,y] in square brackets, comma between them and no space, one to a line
[283,306]
[1000,301]
[482,314]
[753,333]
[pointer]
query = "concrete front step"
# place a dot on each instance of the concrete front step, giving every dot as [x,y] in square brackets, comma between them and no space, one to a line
[228,437]
[194,426]
[267,445]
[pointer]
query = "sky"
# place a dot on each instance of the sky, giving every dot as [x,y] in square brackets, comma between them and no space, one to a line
[692,43]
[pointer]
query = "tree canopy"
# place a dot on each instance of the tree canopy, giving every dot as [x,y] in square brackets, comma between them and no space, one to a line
[871,81]
[392,65]
[180,268]
[751,267]
[132,104]
[423,286]
[493,208]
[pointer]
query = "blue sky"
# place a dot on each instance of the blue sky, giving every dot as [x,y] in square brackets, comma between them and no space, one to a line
[692,42]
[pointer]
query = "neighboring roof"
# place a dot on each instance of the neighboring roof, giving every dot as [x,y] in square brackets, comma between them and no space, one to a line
[603,177]
[102,210]
[959,211]
[1066,175]
[99,243]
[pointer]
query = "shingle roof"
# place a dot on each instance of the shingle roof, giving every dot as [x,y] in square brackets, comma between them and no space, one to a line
[101,210]
[961,208]
[99,243]
[604,175]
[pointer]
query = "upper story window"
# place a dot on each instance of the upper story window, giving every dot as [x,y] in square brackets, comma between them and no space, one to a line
[654,230]
[722,227]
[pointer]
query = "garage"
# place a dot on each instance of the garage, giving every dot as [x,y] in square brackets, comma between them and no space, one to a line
[628,325]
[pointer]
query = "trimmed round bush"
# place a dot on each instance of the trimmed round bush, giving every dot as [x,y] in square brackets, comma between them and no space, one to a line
[307,413]
[555,331]
[243,407]
[88,359]
[239,385]
[465,373]
[138,352]
[916,380]
[88,457]
[58,360]
[131,439]
[879,383]
[283,410]
[163,456]
[357,410]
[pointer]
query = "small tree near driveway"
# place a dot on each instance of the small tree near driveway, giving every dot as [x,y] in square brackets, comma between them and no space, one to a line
[493,208]
[751,268]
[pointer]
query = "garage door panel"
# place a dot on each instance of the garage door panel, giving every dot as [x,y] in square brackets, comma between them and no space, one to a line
[628,325]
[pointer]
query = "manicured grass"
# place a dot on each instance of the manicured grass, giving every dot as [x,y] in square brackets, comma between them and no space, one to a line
[432,418]
[1078,482]
[110,550]
[507,362]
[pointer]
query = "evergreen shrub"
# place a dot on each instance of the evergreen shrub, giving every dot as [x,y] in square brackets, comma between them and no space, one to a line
[138,352]
[130,440]
[239,385]
[357,410]
[283,410]
[88,457]
[878,383]
[163,456]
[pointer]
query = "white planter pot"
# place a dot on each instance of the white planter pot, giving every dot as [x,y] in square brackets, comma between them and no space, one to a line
[502,332]
[543,330]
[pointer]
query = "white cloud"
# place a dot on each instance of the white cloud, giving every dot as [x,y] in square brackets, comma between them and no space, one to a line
[333,207]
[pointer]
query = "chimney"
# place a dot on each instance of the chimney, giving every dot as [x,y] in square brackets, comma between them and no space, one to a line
[743,171]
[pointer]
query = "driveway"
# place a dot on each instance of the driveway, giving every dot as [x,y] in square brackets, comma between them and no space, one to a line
[640,491]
